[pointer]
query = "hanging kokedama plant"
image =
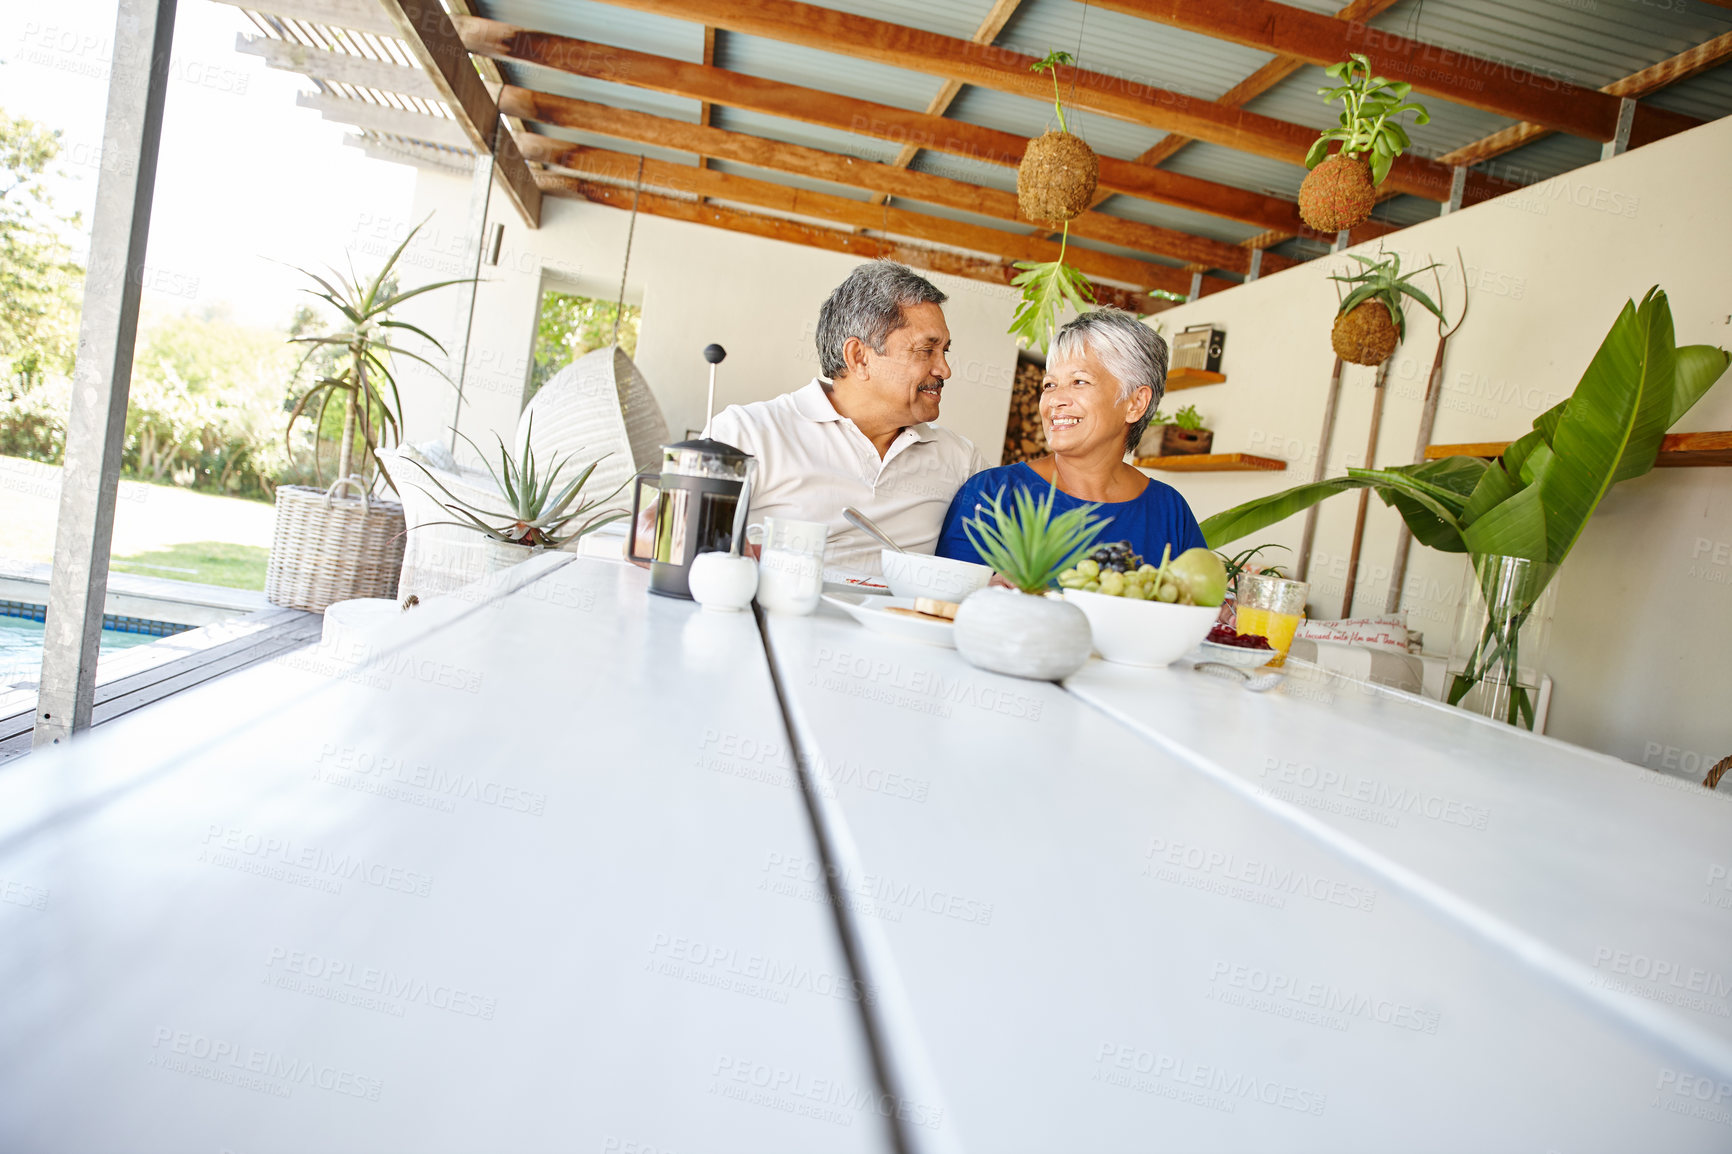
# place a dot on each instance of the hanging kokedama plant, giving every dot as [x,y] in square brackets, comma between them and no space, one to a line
[1340,191]
[1056,179]
[1369,324]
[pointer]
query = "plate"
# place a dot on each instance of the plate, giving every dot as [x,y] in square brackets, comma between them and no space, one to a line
[1235,656]
[869,610]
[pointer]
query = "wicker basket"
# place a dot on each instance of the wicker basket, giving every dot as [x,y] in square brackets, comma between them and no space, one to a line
[328,548]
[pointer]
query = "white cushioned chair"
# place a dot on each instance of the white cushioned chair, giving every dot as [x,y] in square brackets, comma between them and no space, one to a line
[597,406]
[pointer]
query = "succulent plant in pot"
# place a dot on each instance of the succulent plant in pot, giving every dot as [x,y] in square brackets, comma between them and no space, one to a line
[1054,183]
[536,516]
[1178,435]
[1341,189]
[1369,323]
[1020,630]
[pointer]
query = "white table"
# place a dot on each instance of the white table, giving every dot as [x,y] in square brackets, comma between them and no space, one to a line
[508,888]
[1093,934]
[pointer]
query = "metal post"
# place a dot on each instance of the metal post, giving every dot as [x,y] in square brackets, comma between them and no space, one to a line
[1256,265]
[1621,135]
[1457,190]
[1196,286]
[1342,240]
[96,424]
[480,192]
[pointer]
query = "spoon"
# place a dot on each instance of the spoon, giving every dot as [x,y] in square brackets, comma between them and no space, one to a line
[1257,682]
[864,523]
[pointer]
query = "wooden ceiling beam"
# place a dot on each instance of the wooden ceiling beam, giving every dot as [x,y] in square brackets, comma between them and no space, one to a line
[880,121]
[1489,85]
[990,27]
[619,167]
[813,236]
[338,67]
[853,172]
[432,38]
[998,68]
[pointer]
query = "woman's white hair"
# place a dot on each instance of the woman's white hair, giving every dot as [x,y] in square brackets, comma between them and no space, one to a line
[1130,350]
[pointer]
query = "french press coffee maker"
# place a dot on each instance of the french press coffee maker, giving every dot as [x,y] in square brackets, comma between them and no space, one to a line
[704,490]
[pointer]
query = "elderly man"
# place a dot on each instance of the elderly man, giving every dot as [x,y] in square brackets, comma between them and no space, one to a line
[860,433]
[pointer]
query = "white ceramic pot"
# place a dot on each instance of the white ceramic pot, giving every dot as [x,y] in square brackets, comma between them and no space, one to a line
[504,554]
[1151,633]
[1022,634]
[722,582]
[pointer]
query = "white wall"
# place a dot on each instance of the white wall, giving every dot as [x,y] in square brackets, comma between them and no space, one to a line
[758,298]
[1642,648]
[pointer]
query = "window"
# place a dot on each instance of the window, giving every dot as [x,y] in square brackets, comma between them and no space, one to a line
[570,326]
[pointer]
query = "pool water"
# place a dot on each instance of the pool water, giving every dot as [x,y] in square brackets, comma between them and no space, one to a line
[21,648]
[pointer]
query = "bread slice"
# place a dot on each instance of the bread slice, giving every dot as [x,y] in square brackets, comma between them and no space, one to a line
[933,607]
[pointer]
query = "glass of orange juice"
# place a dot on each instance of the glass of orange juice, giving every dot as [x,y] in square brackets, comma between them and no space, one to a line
[1270,607]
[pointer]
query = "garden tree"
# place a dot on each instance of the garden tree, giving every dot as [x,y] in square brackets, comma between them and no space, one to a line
[40,283]
[570,326]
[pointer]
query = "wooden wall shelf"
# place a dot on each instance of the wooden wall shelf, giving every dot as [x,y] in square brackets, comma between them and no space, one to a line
[1677,451]
[1211,463]
[1192,378]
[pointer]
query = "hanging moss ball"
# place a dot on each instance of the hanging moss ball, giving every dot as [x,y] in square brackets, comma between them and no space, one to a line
[1337,194]
[1056,179]
[1365,336]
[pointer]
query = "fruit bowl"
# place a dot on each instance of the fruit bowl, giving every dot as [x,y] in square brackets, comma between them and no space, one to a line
[923,575]
[1148,633]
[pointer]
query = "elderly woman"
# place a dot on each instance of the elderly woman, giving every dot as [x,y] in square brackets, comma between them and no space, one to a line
[1105,374]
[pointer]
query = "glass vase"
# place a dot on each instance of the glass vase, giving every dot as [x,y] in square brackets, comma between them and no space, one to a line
[1503,626]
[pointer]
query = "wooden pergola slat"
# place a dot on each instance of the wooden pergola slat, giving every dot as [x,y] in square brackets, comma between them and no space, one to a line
[338,67]
[500,41]
[1488,85]
[620,167]
[899,46]
[814,236]
[424,26]
[838,168]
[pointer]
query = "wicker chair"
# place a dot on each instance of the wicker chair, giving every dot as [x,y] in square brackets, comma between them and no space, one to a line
[599,404]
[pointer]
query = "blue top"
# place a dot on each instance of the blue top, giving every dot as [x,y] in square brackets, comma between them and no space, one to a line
[1157,518]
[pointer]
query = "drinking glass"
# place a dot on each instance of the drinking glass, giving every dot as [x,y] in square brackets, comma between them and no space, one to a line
[791,566]
[1270,607]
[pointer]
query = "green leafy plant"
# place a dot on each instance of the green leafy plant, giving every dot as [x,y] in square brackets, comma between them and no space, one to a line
[1237,562]
[1050,63]
[364,338]
[1186,418]
[1535,500]
[535,514]
[1372,107]
[1027,545]
[1382,280]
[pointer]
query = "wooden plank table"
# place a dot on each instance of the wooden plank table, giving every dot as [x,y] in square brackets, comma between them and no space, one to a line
[1088,938]
[506,877]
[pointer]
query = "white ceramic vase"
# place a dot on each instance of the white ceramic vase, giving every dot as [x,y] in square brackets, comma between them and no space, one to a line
[1022,634]
[504,554]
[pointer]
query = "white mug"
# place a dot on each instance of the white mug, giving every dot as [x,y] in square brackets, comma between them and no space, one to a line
[791,566]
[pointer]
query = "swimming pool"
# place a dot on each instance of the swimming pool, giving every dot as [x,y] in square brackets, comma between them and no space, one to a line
[21,628]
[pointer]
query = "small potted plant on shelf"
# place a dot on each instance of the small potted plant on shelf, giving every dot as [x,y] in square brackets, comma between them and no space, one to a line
[536,517]
[1178,435]
[1341,189]
[1020,630]
[1054,183]
[1369,323]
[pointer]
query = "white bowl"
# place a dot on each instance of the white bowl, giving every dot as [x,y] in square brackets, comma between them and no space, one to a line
[1132,632]
[923,575]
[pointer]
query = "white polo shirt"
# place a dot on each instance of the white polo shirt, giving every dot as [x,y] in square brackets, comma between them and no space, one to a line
[813,461]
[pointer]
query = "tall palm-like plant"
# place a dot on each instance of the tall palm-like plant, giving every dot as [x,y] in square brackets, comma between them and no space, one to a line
[364,339]
[1535,500]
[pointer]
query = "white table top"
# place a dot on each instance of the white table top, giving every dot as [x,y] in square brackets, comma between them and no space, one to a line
[1087,940]
[512,887]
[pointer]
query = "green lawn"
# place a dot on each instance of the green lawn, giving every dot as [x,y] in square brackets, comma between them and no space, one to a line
[208,562]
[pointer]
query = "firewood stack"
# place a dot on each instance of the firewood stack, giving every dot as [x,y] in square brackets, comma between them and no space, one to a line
[1023,435]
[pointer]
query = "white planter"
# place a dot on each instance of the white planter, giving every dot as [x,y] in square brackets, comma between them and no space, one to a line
[1023,635]
[504,554]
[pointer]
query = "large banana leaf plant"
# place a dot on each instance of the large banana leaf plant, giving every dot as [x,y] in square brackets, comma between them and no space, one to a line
[1535,500]
[364,337]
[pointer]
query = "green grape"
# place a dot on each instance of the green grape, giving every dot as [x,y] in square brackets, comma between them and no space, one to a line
[1112,584]
[1136,593]
[1167,592]
[1146,570]
[1071,579]
[1092,587]
[1089,568]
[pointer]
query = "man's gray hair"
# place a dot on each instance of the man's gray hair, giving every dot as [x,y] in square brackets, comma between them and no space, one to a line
[869,305]
[1130,351]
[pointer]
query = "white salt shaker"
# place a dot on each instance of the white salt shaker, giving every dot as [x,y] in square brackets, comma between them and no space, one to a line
[723,581]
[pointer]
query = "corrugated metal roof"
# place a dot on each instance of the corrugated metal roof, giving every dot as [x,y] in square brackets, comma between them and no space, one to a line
[1590,42]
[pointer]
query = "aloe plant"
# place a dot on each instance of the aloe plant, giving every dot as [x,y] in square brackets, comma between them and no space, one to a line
[535,515]
[1029,546]
[1535,500]
[371,405]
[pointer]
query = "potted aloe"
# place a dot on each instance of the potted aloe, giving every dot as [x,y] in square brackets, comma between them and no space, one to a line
[1054,183]
[1517,517]
[1019,630]
[1341,190]
[536,516]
